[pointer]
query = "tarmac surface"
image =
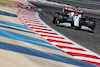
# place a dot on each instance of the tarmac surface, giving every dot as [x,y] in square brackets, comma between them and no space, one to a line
[90,4]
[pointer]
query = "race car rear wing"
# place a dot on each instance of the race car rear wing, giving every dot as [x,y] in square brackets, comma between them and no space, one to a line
[72,10]
[68,9]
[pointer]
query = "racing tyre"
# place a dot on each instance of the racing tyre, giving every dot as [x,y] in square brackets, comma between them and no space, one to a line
[72,24]
[61,18]
[91,24]
[55,17]
[80,24]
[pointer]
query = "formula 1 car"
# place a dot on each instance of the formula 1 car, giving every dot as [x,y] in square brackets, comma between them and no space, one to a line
[75,17]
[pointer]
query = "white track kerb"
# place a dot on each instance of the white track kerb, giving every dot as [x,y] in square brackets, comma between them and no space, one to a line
[31,19]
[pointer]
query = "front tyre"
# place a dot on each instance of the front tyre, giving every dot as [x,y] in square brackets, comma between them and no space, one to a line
[81,23]
[72,24]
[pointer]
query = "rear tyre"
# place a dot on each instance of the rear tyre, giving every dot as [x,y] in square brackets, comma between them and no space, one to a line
[54,17]
[91,24]
[61,18]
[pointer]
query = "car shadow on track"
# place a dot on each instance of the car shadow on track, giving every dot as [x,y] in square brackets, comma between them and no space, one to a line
[69,26]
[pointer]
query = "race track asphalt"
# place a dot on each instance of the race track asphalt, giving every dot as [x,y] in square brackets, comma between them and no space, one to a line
[94,4]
